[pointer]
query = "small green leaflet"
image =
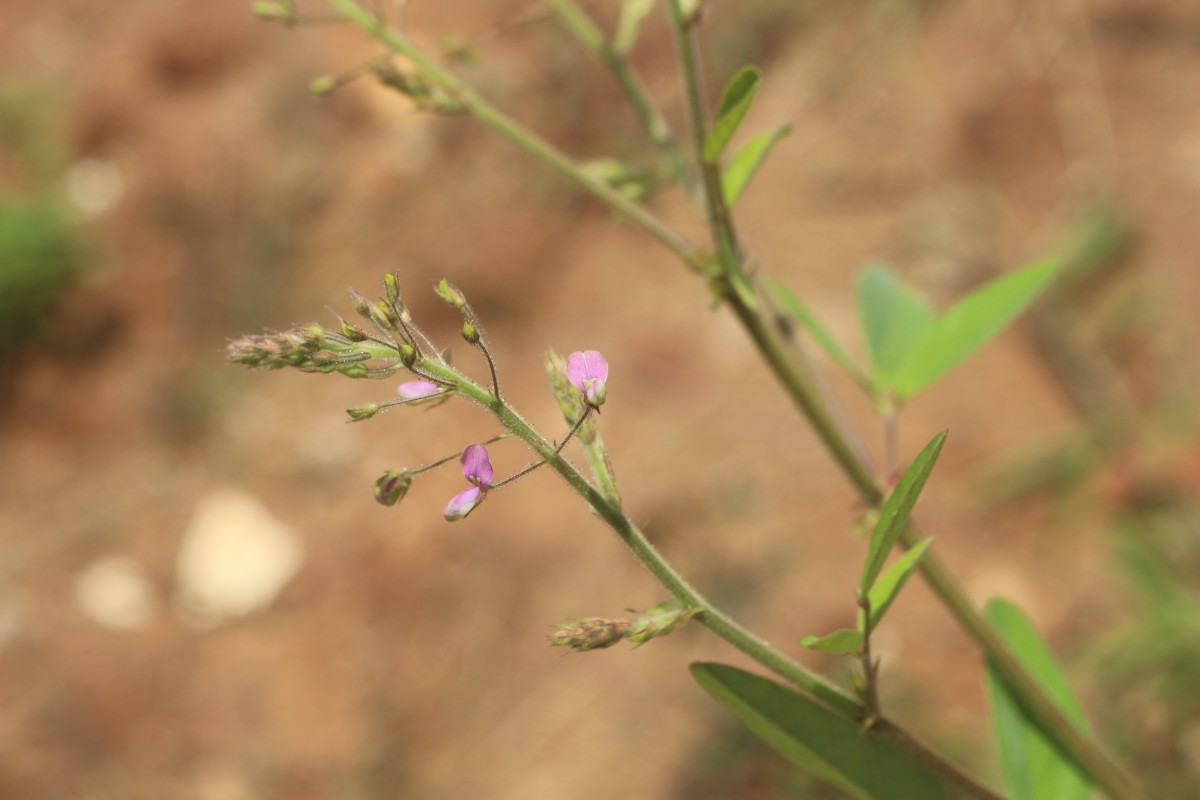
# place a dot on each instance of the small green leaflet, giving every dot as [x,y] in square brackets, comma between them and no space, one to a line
[893,517]
[887,587]
[735,102]
[746,161]
[841,641]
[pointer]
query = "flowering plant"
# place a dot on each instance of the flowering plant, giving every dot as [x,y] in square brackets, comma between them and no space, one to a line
[841,735]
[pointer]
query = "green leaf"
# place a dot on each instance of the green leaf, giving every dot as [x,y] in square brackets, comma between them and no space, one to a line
[826,744]
[632,14]
[971,324]
[894,317]
[896,509]
[840,641]
[821,335]
[1034,768]
[735,102]
[746,161]
[887,587]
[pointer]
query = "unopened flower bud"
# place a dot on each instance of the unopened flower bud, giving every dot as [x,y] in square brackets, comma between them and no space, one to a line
[408,353]
[361,306]
[589,633]
[324,85]
[660,620]
[392,485]
[391,288]
[450,293]
[359,413]
[353,332]
[470,333]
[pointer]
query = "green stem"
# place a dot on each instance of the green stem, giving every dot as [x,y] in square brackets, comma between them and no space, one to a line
[710,616]
[800,385]
[656,125]
[519,135]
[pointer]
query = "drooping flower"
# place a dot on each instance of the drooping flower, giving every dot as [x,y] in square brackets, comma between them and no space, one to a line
[587,371]
[477,468]
[417,390]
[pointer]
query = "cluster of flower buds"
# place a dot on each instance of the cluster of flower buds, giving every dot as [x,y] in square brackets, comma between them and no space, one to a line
[595,633]
[390,342]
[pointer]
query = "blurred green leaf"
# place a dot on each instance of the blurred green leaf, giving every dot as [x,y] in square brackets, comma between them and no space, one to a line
[821,335]
[1034,768]
[746,161]
[894,318]
[887,587]
[896,510]
[834,748]
[632,14]
[969,325]
[735,102]
[841,641]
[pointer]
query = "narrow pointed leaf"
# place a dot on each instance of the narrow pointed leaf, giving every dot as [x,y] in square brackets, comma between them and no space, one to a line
[820,334]
[894,318]
[831,747]
[887,587]
[896,510]
[632,14]
[735,102]
[1034,768]
[840,641]
[970,324]
[746,161]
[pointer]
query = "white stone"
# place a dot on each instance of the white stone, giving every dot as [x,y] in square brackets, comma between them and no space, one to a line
[115,593]
[235,559]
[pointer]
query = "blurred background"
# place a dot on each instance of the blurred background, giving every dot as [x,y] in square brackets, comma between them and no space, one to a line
[199,598]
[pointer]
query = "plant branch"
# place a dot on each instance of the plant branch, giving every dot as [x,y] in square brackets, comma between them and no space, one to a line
[518,134]
[753,314]
[656,125]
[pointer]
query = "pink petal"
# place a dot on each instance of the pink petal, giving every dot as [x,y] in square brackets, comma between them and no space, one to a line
[412,390]
[585,365]
[476,465]
[463,503]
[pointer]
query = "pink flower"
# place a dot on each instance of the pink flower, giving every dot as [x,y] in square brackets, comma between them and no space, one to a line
[477,468]
[415,390]
[587,371]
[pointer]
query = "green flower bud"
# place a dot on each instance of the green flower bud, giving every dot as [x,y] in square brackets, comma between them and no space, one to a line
[359,413]
[392,485]
[391,288]
[353,332]
[324,85]
[470,333]
[450,293]
[660,620]
[408,353]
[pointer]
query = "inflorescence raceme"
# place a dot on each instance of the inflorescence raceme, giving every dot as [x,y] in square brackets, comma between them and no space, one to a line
[390,342]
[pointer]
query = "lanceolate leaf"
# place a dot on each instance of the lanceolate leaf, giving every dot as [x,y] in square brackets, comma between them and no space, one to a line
[826,744]
[887,587]
[735,102]
[1033,767]
[896,510]
[840,641]
[894,318]
[969,325]
[747,160]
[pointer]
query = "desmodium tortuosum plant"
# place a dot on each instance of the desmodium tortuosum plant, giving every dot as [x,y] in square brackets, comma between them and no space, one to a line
[833,734]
